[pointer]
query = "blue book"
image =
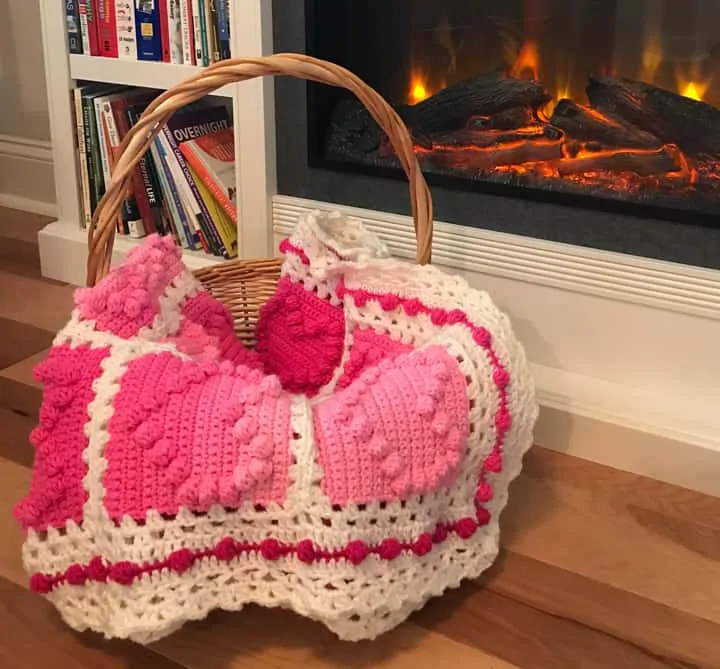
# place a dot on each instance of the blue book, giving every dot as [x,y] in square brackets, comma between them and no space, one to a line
[72,26]
[147,30]
[223,13]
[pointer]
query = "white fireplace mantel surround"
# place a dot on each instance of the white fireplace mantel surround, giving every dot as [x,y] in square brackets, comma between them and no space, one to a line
[625,350]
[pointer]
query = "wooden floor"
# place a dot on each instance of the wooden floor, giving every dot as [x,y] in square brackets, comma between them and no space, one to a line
[599,568]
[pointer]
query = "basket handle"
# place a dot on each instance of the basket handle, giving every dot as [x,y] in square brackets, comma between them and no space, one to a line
[141,136]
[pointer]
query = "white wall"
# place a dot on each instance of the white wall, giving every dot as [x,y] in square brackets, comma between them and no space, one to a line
[26,179]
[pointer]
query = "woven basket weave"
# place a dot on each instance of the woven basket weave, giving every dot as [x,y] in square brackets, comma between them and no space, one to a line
[245,285]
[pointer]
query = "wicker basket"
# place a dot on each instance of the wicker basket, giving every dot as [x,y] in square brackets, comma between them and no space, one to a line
[244,285]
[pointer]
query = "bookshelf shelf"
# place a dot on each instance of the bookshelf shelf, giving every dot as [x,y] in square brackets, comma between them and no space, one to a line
[134,73]
[63,244]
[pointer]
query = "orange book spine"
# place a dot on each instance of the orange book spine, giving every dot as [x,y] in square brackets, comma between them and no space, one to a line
[218,193]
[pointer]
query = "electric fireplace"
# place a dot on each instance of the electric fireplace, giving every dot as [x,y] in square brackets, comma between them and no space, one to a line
[594,122]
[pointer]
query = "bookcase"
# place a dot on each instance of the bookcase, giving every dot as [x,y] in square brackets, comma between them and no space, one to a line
[63,243]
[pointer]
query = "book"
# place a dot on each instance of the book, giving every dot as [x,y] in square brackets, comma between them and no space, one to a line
[188,37]
[86,211]
[147,30]
[213,31]
[72,26]
[223,19]
[107,28]
[180,128]
[212,156]
[164,21]
[84,27]
[92,24]
[204,33]
[125,28]
[175,33]
[197,31]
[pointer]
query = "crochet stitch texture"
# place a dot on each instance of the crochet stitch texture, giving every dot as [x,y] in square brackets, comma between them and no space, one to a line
[351,467]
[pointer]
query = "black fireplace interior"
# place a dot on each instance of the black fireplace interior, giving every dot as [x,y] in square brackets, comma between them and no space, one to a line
[603,104]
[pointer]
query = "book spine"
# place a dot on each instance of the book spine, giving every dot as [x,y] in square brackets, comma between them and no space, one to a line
[219,219]
[107,29]
[164,30]
[84,26]
[175,32]
[223,12]
[125,28]
[72,26]
[205,33]
[173,196]
[147,28]
[139,194]
[91,150]
[151,183]
[91,7]
[82,158]
[132,221]
[188,41]
[197,31]
[204,218]
[213,31]
[219,193]
[169,200]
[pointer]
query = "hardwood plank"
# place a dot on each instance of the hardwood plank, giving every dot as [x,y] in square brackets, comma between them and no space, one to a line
[666,633]
[14,484]
[21,340]
[256,638]
[21,225]
[600,531]
[33,635]
[35,302]
[20,257]
[526,636]
[15,428]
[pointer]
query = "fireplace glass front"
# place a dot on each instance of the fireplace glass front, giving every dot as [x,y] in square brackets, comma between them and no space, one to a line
[593,102]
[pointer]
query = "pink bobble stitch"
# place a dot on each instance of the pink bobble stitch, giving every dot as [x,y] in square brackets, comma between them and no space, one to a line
[503,420]
[361,298]
[440,534]
[356,552]
[389,549]
[501,377]
[484,493]
[483,516]
[96,570]
[423,544]
[124,573]
[245,428]
[412,307]
[181,560]
[392,466]
[483,337]
[271,549]
[378,446]
[455,316]
[75,575]
[148,433]
[425,405]
[305,551]
[389,302]
[41,584]
[161,453]
[465,528]
[438,317]
[493,462]
[226,550]
[441,423]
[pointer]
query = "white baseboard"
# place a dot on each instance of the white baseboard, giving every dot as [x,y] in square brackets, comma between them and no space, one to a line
[623,349]
[26,175]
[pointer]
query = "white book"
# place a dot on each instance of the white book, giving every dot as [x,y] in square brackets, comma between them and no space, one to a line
[125,26]
[175,32]
[197,31]
[82,157]
[187,33]
[84,29]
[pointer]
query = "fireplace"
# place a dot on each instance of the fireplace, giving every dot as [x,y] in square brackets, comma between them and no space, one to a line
[593,122]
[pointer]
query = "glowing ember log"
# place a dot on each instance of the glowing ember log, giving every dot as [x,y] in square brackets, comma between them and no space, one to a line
[484,95]
[643,162]
[694,126]
[586,124]
[492,138]
[516,117]
[492,155]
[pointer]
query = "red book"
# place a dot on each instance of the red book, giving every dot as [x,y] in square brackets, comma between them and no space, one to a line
[107,28]
[164,30]
[92,18]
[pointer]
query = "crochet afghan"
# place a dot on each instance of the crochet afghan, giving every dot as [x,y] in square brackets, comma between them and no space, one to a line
[352,466]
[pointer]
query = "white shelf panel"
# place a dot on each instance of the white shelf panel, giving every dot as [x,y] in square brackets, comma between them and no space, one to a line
[135,73]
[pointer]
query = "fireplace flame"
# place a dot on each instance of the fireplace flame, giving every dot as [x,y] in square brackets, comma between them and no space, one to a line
[694,90]
[418,89]
[527,62]
[652,56]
